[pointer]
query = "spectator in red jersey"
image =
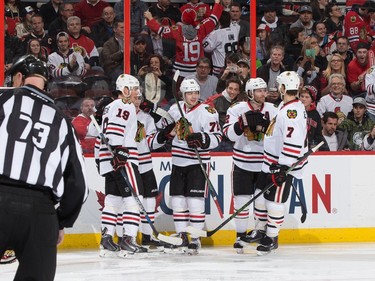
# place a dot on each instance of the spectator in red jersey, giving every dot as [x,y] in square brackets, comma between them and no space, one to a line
[357,70]
[90,12]
[202,9]
[85,132]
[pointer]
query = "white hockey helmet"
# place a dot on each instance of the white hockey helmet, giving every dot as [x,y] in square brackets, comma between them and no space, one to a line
[126,81]
[189,85]
[254,84]
[290,80]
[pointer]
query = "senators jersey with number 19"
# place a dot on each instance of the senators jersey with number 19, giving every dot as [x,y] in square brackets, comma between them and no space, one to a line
[248,147]
[285,139]
[120,128]
[203,118]
[188,51]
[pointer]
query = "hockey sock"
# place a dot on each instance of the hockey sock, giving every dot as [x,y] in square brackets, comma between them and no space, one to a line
[242,219]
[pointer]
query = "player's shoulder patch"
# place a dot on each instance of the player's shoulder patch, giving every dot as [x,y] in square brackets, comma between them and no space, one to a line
[291,113]
[174,27]
[210,109]
[370,69]
[353,19]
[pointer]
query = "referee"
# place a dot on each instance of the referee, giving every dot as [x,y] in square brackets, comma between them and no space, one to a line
[41,167]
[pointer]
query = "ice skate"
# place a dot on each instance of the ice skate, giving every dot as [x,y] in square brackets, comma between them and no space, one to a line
[176,248]
[194,246]
[129,245]
[267,245]
[238,246]
[108,248]
[254,236]
[152,243]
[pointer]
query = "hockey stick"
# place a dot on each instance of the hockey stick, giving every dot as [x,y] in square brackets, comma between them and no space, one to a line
[161,237]
[203,233]
[213,192]
[303,206]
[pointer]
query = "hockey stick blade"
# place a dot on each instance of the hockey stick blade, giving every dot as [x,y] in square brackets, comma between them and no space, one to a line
[161,112]
[170,240]
[220,226]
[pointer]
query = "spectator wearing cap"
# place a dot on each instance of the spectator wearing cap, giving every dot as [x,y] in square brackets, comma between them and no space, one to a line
[273,68]
[207,82]
[357,70]
[65,62]
[305,20]
[336,101]
[357,124]
[139,54]
[355,27]
[50,11]
[278,30]
[308,95]
[243,66]
[24,27]
[112,56]
[264,43]
[90,12]
[235,16]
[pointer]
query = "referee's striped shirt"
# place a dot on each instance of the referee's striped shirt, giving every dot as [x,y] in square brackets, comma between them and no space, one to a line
[39,147]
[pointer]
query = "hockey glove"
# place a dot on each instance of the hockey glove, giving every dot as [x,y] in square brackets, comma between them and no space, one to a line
[196,140]
[252,120]
[165,134]
[278,173]
[102,103]
[146,106]
[120,156]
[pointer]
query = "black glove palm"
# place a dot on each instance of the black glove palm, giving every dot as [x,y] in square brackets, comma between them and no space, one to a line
[279,173]
[252,119]
[120,156]
[196,140]
[146,106]
[165,134]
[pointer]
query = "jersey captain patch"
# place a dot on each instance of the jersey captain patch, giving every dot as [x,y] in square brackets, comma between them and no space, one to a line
[292,114]
[211,109]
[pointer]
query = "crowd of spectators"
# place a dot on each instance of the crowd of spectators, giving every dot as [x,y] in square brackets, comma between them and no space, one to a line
[330,45]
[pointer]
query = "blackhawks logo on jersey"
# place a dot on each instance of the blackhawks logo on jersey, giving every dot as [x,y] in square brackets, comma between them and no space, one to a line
[292,114]
[210,109]
[141,132]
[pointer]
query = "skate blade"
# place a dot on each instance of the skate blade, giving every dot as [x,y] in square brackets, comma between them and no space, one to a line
[179,250]
[154,249]
[103,253]
[264,253]
[192,252]
[240,251]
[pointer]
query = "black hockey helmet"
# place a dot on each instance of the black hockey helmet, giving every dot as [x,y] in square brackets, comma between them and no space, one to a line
[29,65]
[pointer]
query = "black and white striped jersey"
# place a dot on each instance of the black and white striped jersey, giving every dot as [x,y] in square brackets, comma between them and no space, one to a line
[39,147]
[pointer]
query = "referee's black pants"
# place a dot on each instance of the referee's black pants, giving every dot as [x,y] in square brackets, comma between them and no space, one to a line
[29,226]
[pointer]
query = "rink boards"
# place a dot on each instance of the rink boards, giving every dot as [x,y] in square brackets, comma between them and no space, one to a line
[337,188]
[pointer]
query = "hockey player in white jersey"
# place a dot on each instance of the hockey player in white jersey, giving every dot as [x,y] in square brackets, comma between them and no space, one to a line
[198,129]
[284,142]
[221,42]
[246,123]
[119,126]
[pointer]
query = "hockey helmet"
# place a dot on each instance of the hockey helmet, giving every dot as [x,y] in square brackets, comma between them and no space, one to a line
[28,66]
[288,80]
[254,84]
[126,81]
[189,85]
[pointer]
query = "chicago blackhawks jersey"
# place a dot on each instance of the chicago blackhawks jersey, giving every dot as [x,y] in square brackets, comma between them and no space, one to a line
[202,118]
[145,138]
[188,51]
[220,43]
[120,128]
[343,104]
[58,64]
[370,89]
[356,29]
[248,147]
[285,139]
